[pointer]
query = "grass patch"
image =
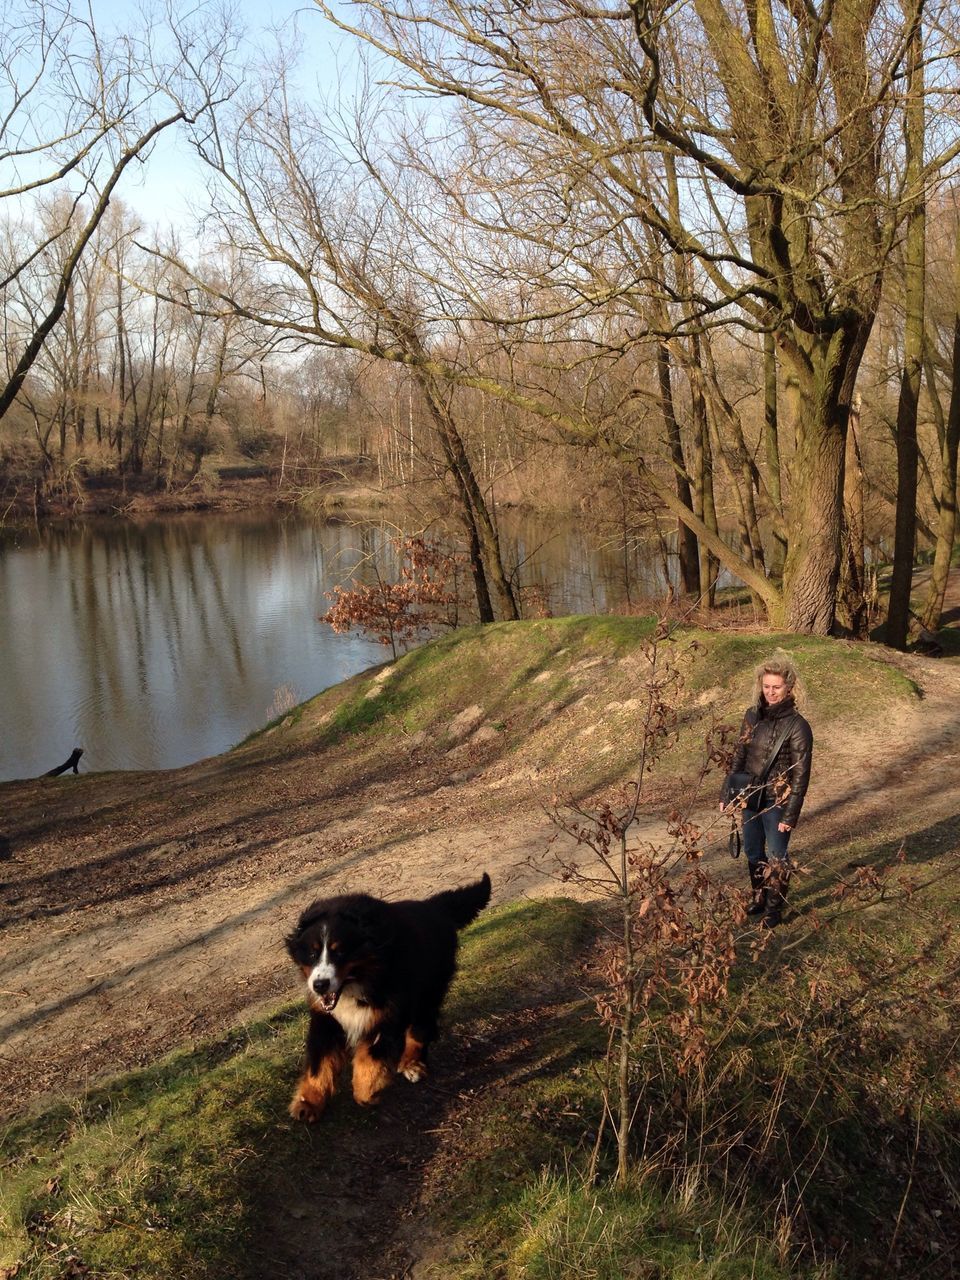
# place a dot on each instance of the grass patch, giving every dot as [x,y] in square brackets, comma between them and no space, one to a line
[564,1228]
[563,696]
[145,1176]
[510,670]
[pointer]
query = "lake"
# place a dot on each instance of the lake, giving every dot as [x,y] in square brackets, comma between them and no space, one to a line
[152,644]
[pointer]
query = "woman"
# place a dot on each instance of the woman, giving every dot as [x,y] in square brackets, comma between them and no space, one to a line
[769,774]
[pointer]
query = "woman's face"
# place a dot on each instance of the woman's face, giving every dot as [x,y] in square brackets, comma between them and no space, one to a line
[774,688]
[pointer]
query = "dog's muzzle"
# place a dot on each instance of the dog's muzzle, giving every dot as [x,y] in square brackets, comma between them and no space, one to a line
[324,994]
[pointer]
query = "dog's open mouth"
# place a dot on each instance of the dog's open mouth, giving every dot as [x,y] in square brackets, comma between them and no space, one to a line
[327,1002]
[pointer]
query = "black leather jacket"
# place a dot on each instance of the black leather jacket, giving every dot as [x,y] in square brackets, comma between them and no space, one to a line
[758,735]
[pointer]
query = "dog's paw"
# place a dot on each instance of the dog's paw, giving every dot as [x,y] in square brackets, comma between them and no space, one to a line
[306,1110]
[414,1071]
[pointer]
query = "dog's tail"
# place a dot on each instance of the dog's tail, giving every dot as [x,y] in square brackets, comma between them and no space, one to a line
[464,904]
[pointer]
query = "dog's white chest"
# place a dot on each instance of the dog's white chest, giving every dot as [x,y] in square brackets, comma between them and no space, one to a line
[356,1019]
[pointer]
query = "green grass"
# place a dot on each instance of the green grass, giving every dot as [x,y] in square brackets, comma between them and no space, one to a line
[564,1229]
[146,1175]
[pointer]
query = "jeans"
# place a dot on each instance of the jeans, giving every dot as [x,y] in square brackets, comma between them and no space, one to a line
[762,841]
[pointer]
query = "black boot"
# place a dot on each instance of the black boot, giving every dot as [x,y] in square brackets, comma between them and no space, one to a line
[777,886]
[758,883]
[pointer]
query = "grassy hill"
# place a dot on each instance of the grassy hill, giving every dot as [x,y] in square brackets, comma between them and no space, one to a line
[800,1121]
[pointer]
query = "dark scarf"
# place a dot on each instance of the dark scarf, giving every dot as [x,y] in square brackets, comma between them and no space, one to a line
[778,710]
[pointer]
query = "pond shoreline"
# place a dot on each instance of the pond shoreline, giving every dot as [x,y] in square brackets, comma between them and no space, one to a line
[349,492]
[344,486]
[136,497]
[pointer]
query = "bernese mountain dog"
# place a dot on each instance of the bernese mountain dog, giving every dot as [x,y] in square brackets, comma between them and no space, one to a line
[377,973]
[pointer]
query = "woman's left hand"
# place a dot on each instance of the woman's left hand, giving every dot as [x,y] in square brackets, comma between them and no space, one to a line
[784,826]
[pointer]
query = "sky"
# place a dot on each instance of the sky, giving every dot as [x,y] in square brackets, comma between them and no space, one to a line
[166,191]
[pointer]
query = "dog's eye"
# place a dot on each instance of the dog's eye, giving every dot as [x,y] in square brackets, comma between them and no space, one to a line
[334,948]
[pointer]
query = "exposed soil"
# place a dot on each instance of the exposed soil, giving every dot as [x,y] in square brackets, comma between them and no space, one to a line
[140,911]
[143,909]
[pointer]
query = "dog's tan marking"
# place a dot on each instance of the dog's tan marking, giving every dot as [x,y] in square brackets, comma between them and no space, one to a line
[370,1077]
[314,1091]
[411,1064]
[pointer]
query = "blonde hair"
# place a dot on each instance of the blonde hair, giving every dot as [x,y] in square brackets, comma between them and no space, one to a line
[780,664]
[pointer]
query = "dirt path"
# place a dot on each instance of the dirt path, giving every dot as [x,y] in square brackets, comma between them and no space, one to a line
[119,942]
[118,945]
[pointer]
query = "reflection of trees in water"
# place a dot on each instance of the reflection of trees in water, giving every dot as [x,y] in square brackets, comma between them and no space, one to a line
[359,552]
[158,642]
[154,603]
[583,571]
[138,610]
[576,570]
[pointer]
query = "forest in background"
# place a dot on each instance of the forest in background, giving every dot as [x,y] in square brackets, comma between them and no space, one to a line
[694,265]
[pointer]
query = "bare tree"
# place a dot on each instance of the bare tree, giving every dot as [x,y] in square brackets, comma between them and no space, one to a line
[949,441]
[334,257]
[914,283]
[79,109]
[791,190]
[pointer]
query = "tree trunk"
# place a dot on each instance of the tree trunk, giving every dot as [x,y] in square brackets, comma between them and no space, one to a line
[812,568]
[947,523]
[853,599]
[686,539]
[771,438]
[705,506]
[486,561]
[480,589]
[914,264]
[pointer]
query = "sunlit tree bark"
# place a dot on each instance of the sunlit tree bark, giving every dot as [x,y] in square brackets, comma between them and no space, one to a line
[947,521]
[914,290]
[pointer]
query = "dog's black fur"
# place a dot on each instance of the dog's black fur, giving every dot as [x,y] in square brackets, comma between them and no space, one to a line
[377,973]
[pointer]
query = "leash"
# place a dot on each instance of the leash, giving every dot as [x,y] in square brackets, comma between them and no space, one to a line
[735,843]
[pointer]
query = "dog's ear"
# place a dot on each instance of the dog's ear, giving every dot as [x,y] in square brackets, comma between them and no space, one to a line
[292,941]
[309,917]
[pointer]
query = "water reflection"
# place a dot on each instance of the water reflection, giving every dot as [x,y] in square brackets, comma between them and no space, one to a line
[153,644]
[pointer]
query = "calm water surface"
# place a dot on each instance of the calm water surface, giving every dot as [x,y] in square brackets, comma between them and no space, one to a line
[154,644]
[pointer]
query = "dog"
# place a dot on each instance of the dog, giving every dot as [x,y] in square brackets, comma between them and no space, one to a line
[377,973]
